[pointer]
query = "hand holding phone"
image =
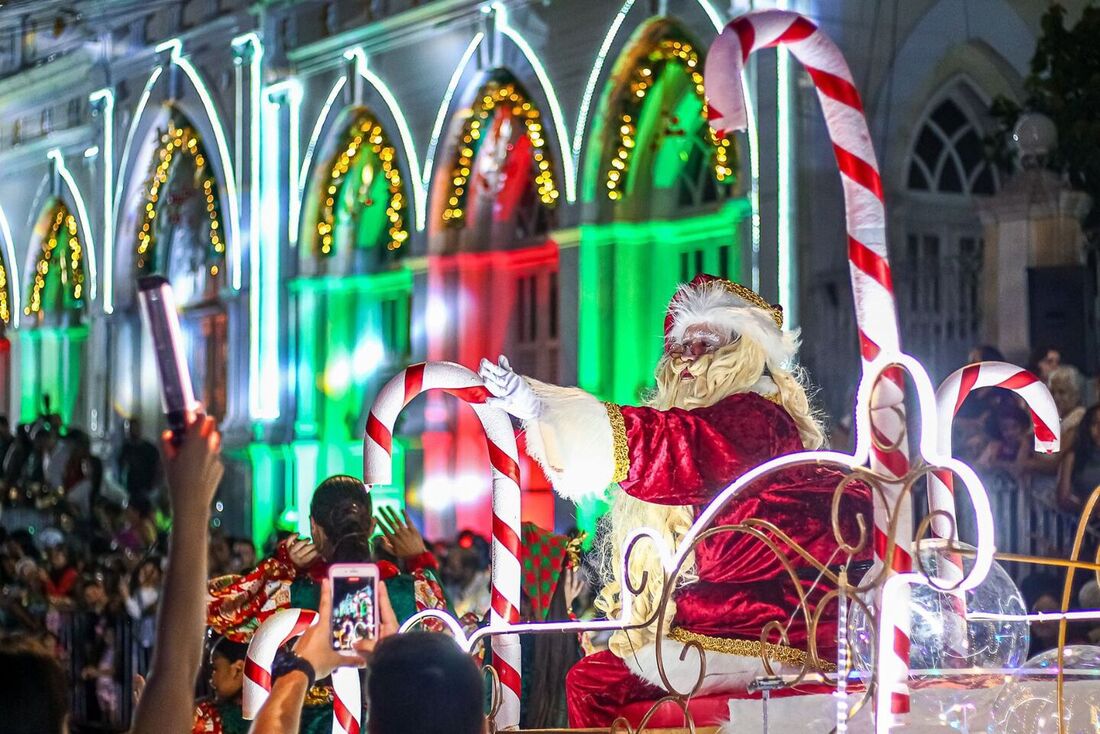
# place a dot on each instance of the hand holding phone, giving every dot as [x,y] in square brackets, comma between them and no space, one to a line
[354,603]
[158,309]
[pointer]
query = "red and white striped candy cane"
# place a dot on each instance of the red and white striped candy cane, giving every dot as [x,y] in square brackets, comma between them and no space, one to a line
[276,631]
[872,285]
[464,384]
[950,397]
[941,484]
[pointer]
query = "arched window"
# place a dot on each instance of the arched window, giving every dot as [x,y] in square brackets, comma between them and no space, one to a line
[940,245]
[181,236]
[664,195]
[351,298]
[948,157]
[52,348]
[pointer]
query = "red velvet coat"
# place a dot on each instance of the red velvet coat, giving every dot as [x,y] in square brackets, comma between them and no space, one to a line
[687,457]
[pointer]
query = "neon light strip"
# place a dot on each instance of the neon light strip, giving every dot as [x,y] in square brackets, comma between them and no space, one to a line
[315,138]
[226,162]
[593,77]
[419,194]
[712,14]
[785,193]
[81,213]
[107,97]
[1074,616]
[123,164]
[441,115]
[570,173]
[294,97]
[14,284]
[754,178]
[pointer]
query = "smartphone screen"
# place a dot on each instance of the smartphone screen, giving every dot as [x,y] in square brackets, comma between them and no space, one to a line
[354,611]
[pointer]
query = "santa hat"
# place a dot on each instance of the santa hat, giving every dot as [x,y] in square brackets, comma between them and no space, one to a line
[708,299]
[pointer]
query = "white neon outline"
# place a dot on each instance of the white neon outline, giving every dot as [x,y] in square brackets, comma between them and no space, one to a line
[754,176]
[569,173]
[14,284]
[419,194]
[1071,616]
[784,245]
[315,137]
[56,156]
[445,104]
[593,77]
[256,261]
[601,58]
[222,146]
[139,112]
[107,97]
[91,151]
[929,450]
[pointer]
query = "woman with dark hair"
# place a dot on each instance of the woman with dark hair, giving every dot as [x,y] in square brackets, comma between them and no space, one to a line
[341,521]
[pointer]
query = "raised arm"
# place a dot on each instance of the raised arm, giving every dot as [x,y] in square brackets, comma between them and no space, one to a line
[194,470]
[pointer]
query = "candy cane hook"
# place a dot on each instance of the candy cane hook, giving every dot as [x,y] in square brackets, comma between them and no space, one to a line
[865,213]
[954,392]
[504,458]
[281,627]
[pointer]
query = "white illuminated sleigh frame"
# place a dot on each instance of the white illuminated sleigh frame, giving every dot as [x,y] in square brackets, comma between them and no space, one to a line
[892,587]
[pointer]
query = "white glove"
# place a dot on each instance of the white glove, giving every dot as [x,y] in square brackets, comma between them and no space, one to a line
[511,393]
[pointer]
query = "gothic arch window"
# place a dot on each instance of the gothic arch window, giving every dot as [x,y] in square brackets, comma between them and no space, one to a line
[53,347]
[939,240]
[357,214]
[948,155]
[500,185]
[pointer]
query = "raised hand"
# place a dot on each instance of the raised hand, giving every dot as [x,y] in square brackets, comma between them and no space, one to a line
[511,392]
[303,553]
[399,536]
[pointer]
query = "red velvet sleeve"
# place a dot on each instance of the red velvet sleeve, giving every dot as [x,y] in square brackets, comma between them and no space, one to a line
[685,457]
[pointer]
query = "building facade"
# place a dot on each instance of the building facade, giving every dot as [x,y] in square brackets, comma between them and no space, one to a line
[337,188]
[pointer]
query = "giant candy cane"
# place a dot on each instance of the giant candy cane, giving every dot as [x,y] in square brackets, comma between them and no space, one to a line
[504,458]
[950,397]
[276,631]
[872,286]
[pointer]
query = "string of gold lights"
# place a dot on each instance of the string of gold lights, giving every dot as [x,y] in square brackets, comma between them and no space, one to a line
[366,134]
[179,140]
[5,313]
[492,95]
[632,97]
[72,276]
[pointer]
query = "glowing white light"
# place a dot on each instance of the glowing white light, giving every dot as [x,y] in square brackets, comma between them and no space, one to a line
[419,194]
[1077,615]
[593,77]
[754,179]
[13,270]
[785,183]
[368,356]
[139,110]
[91,152]
[315,137]
[222,147]
[597,69]
[569,173]
[441,115]
[81,215]
[107,98]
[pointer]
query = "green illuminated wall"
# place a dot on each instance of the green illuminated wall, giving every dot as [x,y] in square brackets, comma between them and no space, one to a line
[50,362]
[656,234]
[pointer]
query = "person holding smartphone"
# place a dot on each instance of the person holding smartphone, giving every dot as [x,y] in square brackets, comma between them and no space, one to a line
[342,522]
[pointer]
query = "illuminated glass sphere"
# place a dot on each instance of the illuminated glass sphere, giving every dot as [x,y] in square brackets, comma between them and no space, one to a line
[940,639]
[1028,704]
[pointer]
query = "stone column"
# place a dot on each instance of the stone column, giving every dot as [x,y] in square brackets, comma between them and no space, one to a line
[1033,221]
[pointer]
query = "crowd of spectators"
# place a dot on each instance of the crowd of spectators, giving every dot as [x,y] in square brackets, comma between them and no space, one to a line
[84,538]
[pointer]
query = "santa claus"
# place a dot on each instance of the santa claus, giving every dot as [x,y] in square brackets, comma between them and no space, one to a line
[728,398]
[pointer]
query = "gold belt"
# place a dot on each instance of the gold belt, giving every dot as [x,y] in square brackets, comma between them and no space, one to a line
[748,648]
[318,696]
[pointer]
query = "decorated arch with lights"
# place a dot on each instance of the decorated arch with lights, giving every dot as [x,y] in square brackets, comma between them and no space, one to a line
[56,298]
[174,223]
[352,298]
[492,281]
